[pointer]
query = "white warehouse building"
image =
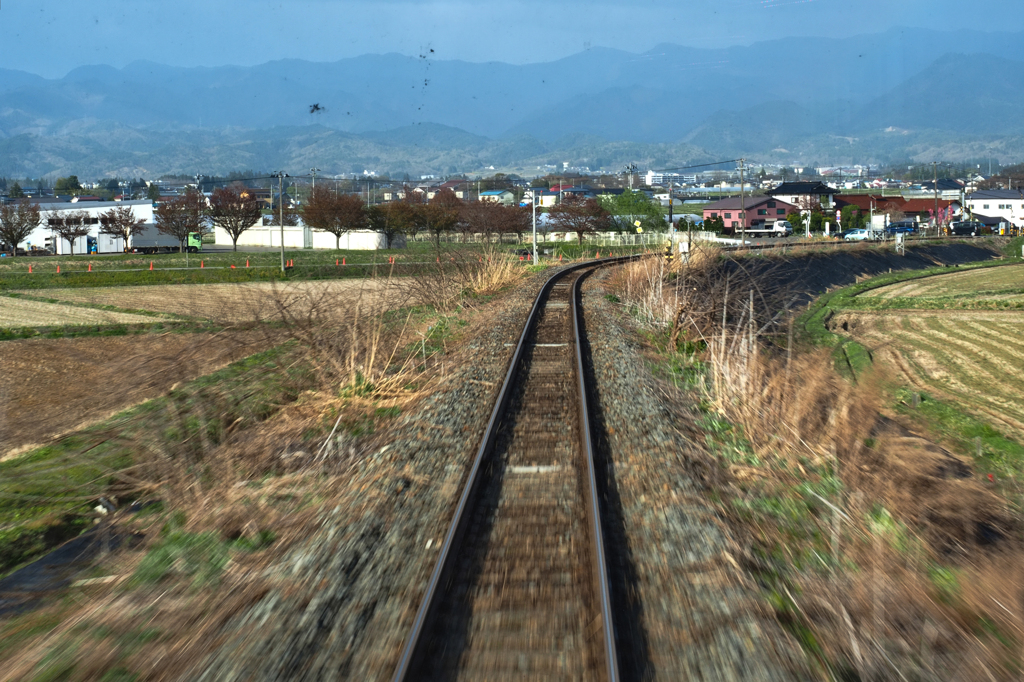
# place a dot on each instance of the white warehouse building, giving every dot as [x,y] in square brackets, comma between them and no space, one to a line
[43,236]
[302,237]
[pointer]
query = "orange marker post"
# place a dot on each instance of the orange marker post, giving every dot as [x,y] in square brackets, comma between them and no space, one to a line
[559,258]
[90,267]
[30,268]
[232,267]
[58,269]
[150,265]
[342,260]
[201,264]
[246,262]
[336,261]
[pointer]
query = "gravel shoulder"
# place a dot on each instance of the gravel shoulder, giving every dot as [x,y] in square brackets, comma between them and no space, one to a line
[697,614]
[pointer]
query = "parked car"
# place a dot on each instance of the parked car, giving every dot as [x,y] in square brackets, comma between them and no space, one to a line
[967,228]
[912,224]
[901,226]
[858,235]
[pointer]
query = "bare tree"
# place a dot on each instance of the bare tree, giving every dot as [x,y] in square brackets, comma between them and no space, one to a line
[391,220]
[579,215]
[181,216]
[439,215]
[328,212]
[69,226]
[121,223]
[234,210]
[17,222]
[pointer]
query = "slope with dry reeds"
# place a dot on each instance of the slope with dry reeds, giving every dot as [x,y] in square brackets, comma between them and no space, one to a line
[879,549]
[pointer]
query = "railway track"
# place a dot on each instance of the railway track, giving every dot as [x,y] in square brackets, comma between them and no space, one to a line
[520,588]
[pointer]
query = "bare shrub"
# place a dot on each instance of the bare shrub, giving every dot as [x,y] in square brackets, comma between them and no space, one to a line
[457,275]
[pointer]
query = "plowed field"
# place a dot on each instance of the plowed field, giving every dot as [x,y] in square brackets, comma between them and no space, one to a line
[52,386]
[969,354]
[16,312]
[229,302]
[1002,285]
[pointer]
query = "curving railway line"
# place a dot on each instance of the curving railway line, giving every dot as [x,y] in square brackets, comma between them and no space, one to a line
[520,588]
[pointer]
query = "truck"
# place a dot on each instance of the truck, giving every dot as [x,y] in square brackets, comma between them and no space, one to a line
[150,240]
[780,228]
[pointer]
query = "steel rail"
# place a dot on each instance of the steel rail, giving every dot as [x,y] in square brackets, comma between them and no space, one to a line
[600,565]
[444,567]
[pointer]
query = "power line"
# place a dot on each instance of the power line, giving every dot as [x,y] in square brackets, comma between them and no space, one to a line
[699,165]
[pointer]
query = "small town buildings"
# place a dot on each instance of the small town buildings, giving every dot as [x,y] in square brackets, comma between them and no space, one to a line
[759,211]
[920,209]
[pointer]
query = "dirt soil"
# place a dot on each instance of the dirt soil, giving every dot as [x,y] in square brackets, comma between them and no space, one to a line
[53,386]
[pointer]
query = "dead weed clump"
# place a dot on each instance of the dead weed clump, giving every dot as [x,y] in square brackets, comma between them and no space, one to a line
[880,548]
[457,276]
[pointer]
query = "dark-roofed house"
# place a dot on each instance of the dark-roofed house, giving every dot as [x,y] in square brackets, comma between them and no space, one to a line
[805,195]
[760,211]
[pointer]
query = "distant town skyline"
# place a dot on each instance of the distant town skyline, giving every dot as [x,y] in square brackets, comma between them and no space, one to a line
[53,38]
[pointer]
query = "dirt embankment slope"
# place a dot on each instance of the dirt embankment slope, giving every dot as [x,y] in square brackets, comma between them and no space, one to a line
[802,277]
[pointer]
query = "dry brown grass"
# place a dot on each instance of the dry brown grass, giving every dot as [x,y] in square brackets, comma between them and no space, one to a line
[880,550]
[457,276]
[225,482]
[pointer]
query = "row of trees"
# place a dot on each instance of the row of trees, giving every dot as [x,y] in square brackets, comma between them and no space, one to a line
[235,210]
[445,213]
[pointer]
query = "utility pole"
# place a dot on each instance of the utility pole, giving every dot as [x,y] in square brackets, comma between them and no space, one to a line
[671,225]
[534,202]
[935,191]
[631,168]
[313,172]
[743,213]
[281,175]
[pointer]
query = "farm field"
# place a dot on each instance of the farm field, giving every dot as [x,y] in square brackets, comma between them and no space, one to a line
[987,287]
[951,336]
[16,312]
[233,303]
[52,386]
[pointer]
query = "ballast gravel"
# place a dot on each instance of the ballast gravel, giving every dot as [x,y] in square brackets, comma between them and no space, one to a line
[695,614]
[342,602]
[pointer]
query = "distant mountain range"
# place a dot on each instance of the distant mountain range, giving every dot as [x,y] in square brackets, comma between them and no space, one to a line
[902,94]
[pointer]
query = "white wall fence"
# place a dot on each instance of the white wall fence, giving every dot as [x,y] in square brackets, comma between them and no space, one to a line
[595,239]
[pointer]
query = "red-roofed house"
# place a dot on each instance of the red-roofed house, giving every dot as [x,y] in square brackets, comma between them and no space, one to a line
[760,211]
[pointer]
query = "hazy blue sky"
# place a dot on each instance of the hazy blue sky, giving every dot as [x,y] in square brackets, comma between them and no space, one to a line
[51,38]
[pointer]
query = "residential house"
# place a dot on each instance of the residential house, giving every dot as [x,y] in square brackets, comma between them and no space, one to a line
[500,196]
[758,212]
[947,189]
[1005,204]
[805,195]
